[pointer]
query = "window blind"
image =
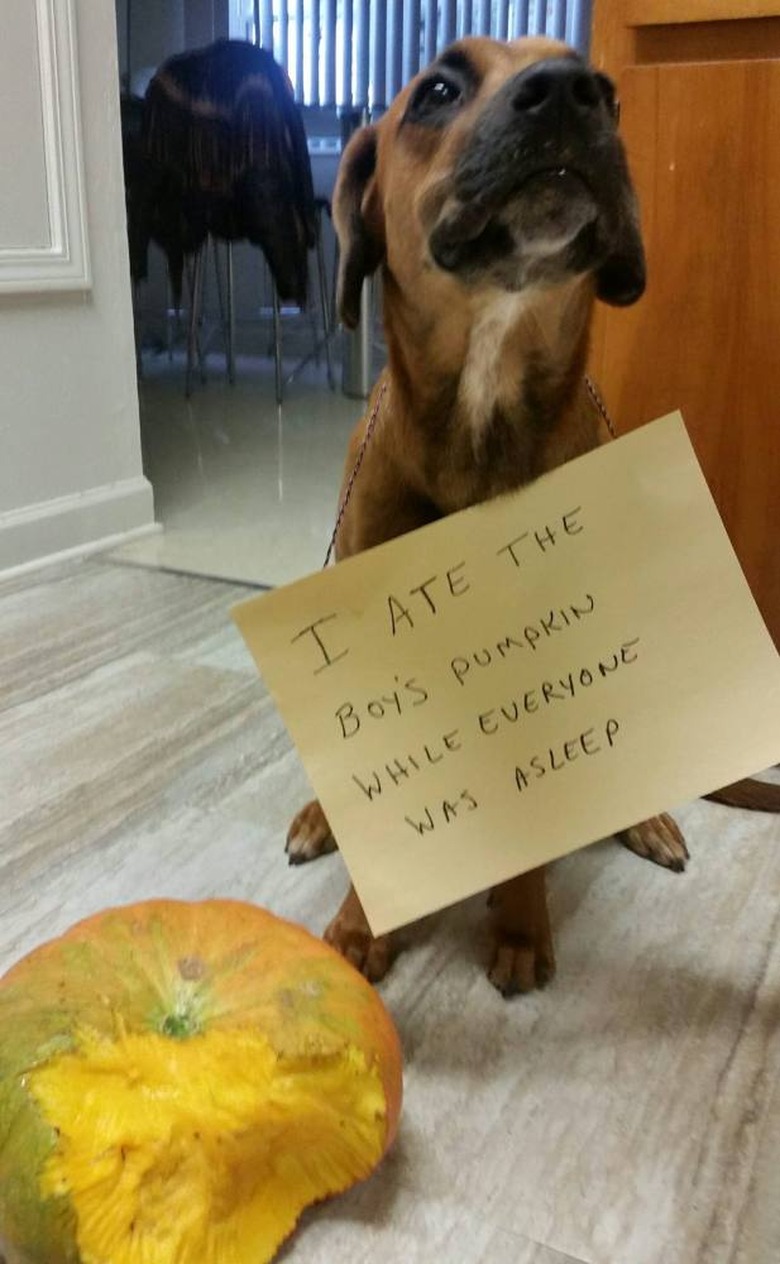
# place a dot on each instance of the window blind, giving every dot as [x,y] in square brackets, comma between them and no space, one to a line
[357,54]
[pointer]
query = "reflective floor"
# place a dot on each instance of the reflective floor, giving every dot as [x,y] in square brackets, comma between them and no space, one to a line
[244,490]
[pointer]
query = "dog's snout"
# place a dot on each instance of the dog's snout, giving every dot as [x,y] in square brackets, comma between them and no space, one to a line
[551,85]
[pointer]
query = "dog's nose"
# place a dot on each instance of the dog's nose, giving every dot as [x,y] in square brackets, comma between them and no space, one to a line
[551,85]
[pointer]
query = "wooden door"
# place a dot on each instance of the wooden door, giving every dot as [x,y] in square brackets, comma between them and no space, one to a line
[701,120]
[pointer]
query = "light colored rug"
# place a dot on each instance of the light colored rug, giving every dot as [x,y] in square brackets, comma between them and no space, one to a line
[629,1114]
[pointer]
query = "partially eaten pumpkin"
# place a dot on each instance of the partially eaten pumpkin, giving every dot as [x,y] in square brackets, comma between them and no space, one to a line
[178,1081]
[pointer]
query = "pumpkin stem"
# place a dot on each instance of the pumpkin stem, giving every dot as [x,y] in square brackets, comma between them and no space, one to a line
[181,1025]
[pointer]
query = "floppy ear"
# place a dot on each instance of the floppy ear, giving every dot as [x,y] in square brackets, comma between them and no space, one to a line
[357,214]
[622,276]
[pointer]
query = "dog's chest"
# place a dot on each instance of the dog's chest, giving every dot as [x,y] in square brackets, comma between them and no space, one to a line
[490,369]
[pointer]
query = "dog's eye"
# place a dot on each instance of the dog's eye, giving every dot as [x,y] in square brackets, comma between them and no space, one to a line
[439,92]
[432,98]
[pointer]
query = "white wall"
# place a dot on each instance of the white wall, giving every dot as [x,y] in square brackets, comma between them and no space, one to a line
[70,456]
[157,31]
[205,21]
[160,28]
[23,215]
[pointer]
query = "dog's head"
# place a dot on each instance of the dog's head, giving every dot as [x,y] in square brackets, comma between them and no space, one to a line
[500,165]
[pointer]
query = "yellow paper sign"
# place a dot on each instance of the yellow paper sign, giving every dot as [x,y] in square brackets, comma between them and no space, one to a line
[520,679]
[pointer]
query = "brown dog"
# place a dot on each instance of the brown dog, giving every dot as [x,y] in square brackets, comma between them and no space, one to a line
[496,198]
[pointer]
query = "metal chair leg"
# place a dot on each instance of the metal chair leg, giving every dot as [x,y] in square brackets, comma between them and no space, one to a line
[218,282]
[194,349]
[172,317]
[191,270]
[231,306]
[277,342]
[324,303]
[199,326]
[226,309]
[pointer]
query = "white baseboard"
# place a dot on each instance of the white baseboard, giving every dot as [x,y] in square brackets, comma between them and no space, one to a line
[102,517]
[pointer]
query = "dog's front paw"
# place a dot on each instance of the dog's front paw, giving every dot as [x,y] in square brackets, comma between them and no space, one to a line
[309,835]
[659,840]
[519,965]
[352,938]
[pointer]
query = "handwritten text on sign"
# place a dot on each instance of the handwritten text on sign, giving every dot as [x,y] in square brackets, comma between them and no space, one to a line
[517,680]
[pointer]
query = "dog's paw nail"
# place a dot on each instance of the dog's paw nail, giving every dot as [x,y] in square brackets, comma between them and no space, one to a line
[545,973]
[519,967]
[659,840]
[309,835]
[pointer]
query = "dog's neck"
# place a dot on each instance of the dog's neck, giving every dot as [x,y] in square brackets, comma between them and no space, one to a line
[487,390]
[502,357]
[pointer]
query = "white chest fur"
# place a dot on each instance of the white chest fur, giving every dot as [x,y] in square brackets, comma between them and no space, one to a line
[485,372]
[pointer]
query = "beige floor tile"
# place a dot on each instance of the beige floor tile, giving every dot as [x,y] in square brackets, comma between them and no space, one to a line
[627,1115]
[758,1235]
[618,1115]
[58,624]
[379,1221]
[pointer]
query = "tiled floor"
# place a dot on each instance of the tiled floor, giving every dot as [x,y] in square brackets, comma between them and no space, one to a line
[629,1114]
[244,490]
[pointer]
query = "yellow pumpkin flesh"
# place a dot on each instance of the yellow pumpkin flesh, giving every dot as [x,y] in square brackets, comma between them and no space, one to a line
[178,1081]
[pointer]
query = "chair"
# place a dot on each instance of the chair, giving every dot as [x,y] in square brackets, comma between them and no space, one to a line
[223,275]
[226,159]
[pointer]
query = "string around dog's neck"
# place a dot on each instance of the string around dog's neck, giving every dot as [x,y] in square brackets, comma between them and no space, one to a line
[371,424]
[599,402]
